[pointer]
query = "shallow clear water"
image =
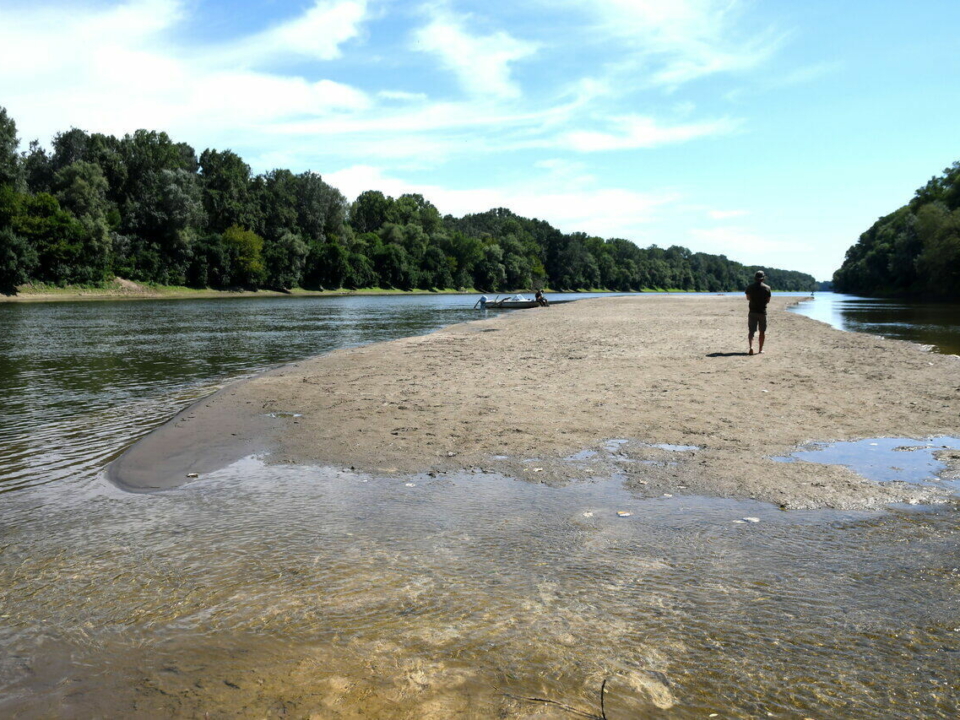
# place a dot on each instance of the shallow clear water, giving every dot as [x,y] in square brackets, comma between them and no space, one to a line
[318,589]
[886,459]
[269,590]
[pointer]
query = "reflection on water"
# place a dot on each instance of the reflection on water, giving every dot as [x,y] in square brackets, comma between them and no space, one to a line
[320,591]
[926,323]
[886,459]
[80,381]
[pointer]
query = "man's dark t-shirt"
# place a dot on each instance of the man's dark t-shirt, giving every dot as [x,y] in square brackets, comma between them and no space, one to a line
[759,295]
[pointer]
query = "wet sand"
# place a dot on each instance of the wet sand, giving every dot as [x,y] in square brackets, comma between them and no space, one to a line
[546,384]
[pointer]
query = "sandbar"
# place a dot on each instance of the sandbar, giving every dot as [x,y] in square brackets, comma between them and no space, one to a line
[522,393]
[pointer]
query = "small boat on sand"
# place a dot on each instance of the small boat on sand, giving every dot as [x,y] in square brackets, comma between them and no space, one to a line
[512,302]
[509,302]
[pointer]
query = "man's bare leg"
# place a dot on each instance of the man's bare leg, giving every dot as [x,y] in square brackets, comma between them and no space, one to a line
[750,337]
[761,342]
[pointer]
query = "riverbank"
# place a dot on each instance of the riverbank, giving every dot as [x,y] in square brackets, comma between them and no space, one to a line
[548,384]
[121,289]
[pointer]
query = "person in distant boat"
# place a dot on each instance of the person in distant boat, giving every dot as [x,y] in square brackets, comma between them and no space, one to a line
[758,294]
[541,300]
[482,302]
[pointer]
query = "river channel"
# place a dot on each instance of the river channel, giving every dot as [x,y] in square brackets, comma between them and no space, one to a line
[272,591]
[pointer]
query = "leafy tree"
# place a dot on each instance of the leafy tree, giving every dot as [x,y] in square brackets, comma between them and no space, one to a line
[911,251]
[370,211]
[225,180]
[327,266]
[69,147]
[362,272]
[17,261]
[435,270]
[245,249]
[210,262]
[283,261]
[413,209]
[393,267]
[81,188]
[9,161]
[66,252]
[489,274]
[939,262]
[37,169]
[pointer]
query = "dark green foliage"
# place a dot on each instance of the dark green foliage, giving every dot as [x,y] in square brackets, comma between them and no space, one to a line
[392,264]
[9,161]
[67,250]
[914,251]
[327,266]
[370,211]
[210,263]
[227,198]
[17,260]
[283,261]
[146,208]
[302,204]
[37,169]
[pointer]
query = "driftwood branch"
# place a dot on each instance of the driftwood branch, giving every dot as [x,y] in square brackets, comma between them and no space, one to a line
[568,708]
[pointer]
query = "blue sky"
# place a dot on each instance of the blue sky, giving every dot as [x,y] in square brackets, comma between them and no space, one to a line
[772,132]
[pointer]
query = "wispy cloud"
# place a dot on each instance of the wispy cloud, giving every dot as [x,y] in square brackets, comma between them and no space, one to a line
[644,132]
[480,62]
[318,34]
[671,43]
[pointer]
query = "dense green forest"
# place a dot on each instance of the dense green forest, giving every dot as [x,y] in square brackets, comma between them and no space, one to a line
[914,251]
[146,208]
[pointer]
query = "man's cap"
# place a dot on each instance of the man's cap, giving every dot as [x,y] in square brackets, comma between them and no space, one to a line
[759,275]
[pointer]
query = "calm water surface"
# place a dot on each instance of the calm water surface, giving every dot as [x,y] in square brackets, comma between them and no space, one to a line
[269,591]
[926,323]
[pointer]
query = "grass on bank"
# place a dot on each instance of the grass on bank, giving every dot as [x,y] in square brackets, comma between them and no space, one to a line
[121,289]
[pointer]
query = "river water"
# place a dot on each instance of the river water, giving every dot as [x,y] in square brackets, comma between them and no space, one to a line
[269,591]
[927,323]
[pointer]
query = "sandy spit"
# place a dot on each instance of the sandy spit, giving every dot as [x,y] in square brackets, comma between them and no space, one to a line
[545,384]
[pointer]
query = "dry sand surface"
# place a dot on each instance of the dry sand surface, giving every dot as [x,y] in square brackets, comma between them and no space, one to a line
[545,384]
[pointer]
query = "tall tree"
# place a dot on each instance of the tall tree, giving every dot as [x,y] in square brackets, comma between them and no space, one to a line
[225,179]
[9,161]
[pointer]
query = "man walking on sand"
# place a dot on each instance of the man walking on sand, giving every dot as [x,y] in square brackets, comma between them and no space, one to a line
[759,296]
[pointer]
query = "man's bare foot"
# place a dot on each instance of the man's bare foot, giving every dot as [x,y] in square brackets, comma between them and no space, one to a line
[759,352]
[751,351]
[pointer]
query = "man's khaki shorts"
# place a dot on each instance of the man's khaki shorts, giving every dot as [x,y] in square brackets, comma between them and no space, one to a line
[757,319]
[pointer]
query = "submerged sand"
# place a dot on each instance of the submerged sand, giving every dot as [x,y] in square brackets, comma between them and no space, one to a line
[546,384]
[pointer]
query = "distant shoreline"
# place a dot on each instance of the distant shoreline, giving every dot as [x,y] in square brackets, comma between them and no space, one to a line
[120,289]
[133,291]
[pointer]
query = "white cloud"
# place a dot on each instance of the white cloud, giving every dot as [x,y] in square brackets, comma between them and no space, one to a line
[117,69]
[681,40]
[644,132]
[318,34]
[482,64]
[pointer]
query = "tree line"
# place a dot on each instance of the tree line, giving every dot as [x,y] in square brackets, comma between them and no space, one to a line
[913,251]
[146,208]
